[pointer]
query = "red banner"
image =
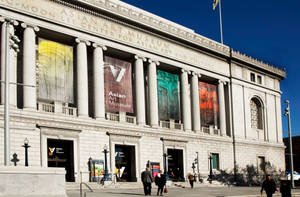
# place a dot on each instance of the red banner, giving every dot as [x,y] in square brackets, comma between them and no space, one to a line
[118,85]
[209,107]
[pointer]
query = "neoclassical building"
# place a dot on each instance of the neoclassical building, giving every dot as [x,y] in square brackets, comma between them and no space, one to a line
[95,73]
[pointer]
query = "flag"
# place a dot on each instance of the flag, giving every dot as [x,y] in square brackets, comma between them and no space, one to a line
[216,2]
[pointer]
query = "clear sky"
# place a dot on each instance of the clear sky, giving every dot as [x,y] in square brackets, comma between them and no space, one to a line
[268,30]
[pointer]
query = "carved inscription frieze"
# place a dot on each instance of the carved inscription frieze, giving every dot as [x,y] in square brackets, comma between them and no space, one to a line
[99,26]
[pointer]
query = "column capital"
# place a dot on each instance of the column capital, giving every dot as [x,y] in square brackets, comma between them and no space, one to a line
[185,70]
[221,82]
[79,40]
[140,57]
[196,74]
[10,20]
[97,45]
[27,25]
[154,61]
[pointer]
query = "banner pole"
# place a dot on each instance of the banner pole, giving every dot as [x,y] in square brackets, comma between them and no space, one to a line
[221,28]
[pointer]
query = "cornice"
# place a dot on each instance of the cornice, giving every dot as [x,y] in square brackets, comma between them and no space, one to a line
[132,13]
[259,64]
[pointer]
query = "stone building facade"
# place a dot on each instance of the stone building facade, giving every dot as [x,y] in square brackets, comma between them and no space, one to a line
[239,123]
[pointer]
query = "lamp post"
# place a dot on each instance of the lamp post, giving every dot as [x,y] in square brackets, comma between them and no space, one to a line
[287,113]
[197,162]
[106,175]
[210,169]
[26,146]
[10,42]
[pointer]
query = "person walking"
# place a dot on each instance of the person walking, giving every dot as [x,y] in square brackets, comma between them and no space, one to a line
[269,186]
[285,188]
[147,180]
[191,179]
[160,181]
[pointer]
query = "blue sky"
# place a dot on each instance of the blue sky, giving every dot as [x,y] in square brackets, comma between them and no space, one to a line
[268,30]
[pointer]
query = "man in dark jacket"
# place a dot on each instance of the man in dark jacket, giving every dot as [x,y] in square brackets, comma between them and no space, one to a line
[269,186]
[147,180]
[160,181]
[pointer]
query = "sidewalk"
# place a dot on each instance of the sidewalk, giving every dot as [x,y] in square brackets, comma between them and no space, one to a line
[203,191]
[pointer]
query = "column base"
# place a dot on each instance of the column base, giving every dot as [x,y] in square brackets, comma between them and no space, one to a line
[154,126]
[100,118]
[30,109]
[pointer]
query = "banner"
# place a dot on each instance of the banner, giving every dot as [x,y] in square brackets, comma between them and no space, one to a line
[55,71]
[118,85]
[209,107]
[168,96]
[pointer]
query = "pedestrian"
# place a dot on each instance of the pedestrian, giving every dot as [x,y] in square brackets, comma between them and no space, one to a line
[160,181]
[191,179]
[147,180]
[269,186]
[285,188]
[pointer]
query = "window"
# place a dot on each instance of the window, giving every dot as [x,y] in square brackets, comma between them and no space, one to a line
[261,165]
[215,161]
[259,79]
[252,77]
[256,114]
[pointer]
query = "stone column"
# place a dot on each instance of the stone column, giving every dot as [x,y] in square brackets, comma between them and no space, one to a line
[13,72]
[195,102]
[82,78]
[98,80]
[140,90]
[153,101]
[29,66]
[222,107]
[3,41]
[186,105]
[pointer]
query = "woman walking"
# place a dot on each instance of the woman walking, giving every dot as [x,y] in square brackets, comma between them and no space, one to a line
[160,181]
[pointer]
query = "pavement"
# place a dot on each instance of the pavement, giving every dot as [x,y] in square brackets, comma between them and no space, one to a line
[202,191]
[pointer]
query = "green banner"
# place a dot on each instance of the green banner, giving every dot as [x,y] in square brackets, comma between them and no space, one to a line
[168,96]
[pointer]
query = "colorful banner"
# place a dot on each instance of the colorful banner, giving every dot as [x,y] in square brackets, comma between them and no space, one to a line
[155,168]
[118,85]
[55,71]
[168,96]
[209,107]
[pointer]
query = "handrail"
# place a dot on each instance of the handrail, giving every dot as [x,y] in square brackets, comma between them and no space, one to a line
[83,183]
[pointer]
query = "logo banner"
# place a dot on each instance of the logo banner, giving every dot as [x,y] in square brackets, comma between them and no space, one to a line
[209,107]
[55,71]
[168,96]
[118,85]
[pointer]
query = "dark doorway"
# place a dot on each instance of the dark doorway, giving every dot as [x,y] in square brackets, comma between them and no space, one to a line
[60,154]
[175,164]
[125,163]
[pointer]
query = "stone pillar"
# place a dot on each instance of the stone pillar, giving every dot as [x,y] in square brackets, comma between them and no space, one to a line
[13,72]
[186,105]
[3,41]
[222,107]
[29,66]
[82,78]
[153,101]
[140,90]
[196,102]
[98,80]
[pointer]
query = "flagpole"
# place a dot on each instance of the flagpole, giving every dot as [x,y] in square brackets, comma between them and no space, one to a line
[221,28]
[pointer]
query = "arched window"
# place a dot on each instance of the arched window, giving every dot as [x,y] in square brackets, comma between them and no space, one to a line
[256,114]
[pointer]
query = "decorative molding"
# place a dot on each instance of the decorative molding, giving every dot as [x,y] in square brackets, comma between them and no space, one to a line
[79,40]
[140,57]
[185,70]
[222,82]
[260,64]
[34,27]
[96,45]
[196,74]
[154,61]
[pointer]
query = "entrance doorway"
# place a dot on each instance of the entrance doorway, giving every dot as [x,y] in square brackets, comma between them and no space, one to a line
[125,163]
[175,164]
[60,154]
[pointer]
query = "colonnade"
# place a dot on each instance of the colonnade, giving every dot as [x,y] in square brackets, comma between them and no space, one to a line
[190,93]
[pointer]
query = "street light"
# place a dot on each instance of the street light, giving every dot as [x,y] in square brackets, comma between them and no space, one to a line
[106,175]
[197,162]
[26,146]
[10,42]
[287,113]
